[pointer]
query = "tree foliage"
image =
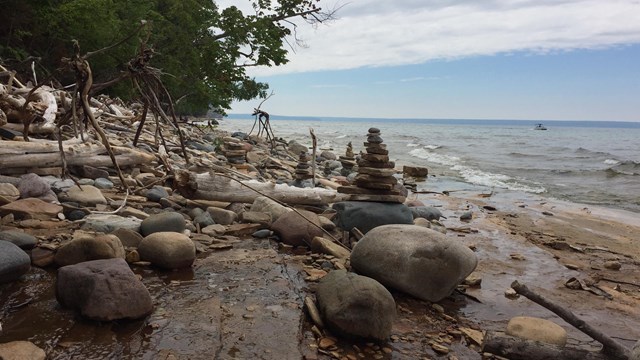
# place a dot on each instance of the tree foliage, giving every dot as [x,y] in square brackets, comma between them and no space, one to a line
[202,49]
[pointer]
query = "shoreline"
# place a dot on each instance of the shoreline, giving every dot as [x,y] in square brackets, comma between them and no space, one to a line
[513,236]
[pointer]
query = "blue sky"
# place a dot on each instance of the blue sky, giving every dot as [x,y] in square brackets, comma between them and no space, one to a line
[493,59]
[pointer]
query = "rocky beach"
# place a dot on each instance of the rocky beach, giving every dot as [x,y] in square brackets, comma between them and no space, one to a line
[232,246]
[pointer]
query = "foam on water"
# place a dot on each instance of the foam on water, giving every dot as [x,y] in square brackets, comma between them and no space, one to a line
[611,162]
[441,159]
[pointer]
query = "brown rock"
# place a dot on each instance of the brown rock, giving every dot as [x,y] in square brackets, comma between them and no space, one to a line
[376,172]
[537,330]
[31,208]
[365,178]
[241,229]
[326,246]
[415,171]
[21,350]
[376,158]
[379,165]
[42,257]
[297,230]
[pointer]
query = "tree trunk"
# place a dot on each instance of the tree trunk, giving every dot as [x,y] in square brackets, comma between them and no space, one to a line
[46,154]
[209,186]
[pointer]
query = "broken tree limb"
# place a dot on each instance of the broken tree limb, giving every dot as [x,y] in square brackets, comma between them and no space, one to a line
[515,348]
[36,154]
[610,347]
[210,186]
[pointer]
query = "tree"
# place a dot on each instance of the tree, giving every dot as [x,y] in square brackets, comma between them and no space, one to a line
[203,50]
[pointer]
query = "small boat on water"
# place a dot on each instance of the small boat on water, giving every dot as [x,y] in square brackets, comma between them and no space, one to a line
[539,127]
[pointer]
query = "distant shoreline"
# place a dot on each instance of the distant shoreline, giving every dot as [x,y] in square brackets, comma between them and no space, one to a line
[496,122]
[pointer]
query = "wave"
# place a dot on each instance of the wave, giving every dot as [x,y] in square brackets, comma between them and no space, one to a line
[441,159]
[522,155]
[476,176]
[627,167]
[611,162]
[480,177]
[413,145]
[585,151]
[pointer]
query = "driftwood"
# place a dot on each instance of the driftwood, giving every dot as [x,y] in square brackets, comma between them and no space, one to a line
[515,349]
[47,154]
[611,348]
[209,186]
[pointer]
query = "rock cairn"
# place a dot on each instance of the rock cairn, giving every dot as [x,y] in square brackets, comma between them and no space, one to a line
[234,151]
[375,180]
[348,161]
[303,169]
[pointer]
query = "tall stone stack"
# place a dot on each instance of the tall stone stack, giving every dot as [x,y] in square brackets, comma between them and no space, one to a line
[348,161]
[375,180]
[234,151]
[303,169]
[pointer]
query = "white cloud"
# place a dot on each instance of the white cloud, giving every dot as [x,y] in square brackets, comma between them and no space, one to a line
[372,33]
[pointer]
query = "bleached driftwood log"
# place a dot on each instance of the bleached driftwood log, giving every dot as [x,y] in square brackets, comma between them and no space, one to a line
[46,154]
[211,186]
[43,102]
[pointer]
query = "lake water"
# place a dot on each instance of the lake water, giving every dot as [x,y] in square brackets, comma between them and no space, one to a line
[582,162]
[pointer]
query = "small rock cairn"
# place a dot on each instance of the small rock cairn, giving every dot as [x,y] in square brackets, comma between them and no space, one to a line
[303,171]
[375,180]
[348,161]
[234,151]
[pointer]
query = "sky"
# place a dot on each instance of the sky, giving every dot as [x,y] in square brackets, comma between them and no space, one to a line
[467,59]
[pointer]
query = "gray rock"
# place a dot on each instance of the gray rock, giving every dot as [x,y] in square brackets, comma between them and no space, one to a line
[334,164]
[297,148]
[103,290]
[262,234]
[108,223]
[413,259]
[366,215]
[90,172]
[426,212]
[14,262]
[296,230]
[169,250]
[355,305]
[195,212]
[76,215]
[59,185]
[466,216]
[86,194]
[32,185]
[87,248]
[85,181]
[200,146]
[19,238]
[204,220]
[128,237]
[166,221]
[266,205]
[222,216]
[102,183]
[328,155]
[255,217]
[156,193]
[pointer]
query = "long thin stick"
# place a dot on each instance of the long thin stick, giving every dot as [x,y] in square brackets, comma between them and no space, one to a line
[610,346]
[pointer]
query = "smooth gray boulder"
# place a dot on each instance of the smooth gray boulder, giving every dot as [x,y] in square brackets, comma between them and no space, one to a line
[355,305]
[366,215]
[169,250]
[413,259]
[426,212]
[14,262]
[103,290]
[89,247]
[221,216]
[157,193]
[166,221]
[21,239]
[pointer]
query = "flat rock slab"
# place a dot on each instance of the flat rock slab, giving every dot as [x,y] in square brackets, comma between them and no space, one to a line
[31,208]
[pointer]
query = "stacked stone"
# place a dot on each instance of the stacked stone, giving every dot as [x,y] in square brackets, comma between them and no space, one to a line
[375,180]
[234,151]
[303,169]
[348,161]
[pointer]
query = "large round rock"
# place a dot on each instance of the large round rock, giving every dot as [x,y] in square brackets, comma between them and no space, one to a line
[19,238]
[14,262]
[356,305]
[366,215]
[87,248]
[103,290]
[413,259]
[169,250]
[166,221]
[297,228]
